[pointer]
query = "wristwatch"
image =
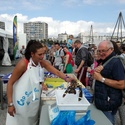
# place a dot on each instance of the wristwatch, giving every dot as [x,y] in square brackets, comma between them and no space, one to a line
[103,80]
[10,105]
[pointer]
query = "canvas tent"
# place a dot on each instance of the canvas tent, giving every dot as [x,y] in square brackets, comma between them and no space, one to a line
[6,35]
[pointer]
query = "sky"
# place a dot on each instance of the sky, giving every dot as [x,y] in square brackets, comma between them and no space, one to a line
[70,16]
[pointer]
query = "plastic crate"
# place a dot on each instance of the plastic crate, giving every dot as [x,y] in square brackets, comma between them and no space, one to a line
[70,101]
[88,95]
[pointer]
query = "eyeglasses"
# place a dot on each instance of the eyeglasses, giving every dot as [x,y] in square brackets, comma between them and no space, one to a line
[103,51]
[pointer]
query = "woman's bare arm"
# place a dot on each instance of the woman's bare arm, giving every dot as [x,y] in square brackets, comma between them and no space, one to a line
[16,74]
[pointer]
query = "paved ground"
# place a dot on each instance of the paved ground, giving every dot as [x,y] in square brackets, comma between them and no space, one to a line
[5,70]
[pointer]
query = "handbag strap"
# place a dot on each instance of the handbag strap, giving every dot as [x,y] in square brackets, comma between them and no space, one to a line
[117,56]
[108,61]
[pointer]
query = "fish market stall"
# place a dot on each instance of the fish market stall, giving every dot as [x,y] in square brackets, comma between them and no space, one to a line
[53,83]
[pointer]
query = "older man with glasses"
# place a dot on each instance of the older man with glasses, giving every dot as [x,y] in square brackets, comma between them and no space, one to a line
[109,81]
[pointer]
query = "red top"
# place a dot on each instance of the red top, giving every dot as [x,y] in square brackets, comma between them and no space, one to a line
[26,61]
[70,57]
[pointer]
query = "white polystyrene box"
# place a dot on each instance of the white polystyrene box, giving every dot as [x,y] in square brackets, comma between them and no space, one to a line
[70,101]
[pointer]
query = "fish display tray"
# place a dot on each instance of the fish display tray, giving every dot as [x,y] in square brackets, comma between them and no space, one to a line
[70,101]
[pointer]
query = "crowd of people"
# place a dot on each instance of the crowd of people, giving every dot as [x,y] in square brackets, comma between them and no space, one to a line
[106,78]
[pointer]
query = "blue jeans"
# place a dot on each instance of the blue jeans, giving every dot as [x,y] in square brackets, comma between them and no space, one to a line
[110,116]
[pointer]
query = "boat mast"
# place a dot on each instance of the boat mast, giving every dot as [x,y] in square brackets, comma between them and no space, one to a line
[91,40]
[119,26]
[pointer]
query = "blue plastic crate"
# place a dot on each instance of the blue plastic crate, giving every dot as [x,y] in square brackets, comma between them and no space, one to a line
[88,95]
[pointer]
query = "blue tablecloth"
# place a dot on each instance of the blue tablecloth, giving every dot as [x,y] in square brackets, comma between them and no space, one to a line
[6,77]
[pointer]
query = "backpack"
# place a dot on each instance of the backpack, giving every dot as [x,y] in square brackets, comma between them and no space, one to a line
[90,59]
[122,59]
[61,50]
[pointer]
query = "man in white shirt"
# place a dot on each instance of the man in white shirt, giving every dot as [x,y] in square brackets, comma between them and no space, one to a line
[59,55]
[22,51]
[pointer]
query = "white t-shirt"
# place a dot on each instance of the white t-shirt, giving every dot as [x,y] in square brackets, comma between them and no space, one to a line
[22,51]
[58,54]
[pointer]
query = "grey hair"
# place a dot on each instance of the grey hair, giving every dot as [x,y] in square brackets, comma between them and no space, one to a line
[110,45]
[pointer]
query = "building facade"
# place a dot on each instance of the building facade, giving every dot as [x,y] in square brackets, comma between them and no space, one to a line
[95,39]
[2,25]
[36,31]
[63,37]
